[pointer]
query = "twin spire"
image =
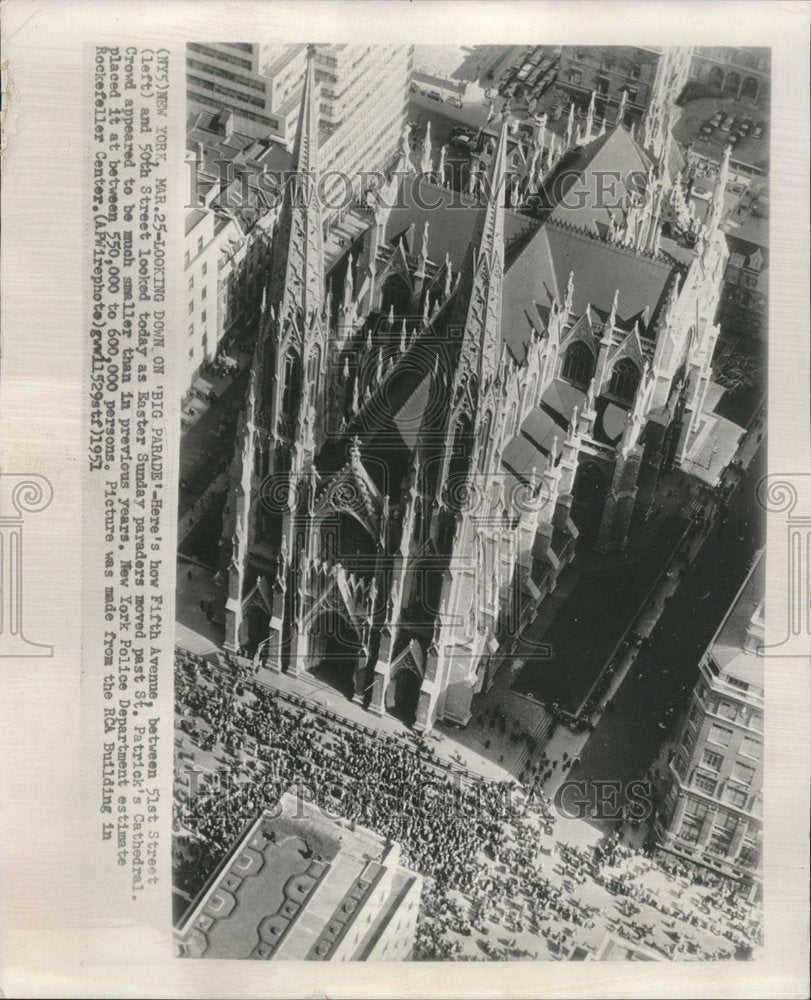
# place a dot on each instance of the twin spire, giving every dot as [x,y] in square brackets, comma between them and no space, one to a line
[298,272]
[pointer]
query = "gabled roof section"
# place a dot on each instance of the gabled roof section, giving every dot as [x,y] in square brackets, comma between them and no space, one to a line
[602,268]
[593,178]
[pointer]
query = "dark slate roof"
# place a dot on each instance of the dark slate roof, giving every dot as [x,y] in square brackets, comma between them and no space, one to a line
[601,268]
[588,180]
[452,219]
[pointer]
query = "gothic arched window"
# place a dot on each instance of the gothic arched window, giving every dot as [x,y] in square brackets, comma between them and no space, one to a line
[624,380]
[484,440]
[314,373]
[291,381]
[578,364]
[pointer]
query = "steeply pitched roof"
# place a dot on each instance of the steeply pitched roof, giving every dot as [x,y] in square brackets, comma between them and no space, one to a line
[592,178]
[602,268]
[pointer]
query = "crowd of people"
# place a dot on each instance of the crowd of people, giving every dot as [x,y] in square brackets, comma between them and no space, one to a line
[478,844]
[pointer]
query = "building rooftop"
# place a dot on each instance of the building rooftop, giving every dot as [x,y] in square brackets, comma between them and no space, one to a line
[734,646]
[291,888]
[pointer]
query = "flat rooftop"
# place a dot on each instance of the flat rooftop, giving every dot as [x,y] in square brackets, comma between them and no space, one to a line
[289,888]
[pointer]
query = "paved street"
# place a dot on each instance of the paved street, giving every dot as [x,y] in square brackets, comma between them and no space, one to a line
[627,738]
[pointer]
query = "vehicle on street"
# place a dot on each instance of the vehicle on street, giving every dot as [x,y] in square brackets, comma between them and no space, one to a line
[727,123]
[433,95]
[758,132]
[707,129]
[454,101]
[745,127]
[717,119]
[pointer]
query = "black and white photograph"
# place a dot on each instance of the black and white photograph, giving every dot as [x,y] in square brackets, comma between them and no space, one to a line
[470,570]
[405,499]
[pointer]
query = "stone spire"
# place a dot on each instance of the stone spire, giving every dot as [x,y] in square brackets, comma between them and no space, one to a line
[477,303]
[299,268]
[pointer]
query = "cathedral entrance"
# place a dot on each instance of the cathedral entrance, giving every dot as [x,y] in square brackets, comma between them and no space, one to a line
[258,623]
[335,652]
[403,695]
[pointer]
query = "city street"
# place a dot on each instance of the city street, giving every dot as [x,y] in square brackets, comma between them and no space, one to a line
[627,738]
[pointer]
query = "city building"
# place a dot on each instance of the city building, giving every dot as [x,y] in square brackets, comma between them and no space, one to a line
[362,103]
[299,886]
[736,73]
[233,196]
[227,76]
[630,77]
[233,153]
[744,306]
[421,450]
[712,811]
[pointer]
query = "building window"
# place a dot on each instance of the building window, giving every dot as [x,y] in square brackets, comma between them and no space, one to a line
[712,760]
[204,268]
[578,364]
[694,714]
[200,244]
[187,258]
[721,836]
[191,282]
[737,683]
[203,315]
[624,380]
[743,774]
[191,329]
[751,748]
[720,735]
[704,784]
[727,710]
[191,306]
[204,292]
[735,796]
[692,822]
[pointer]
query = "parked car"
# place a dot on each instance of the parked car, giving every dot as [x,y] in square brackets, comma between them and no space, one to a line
[717,119]
[707,129]
[454,101]
[727,123]
[733,139]
[433,95]
[745,127]
[758,132]
[463,140]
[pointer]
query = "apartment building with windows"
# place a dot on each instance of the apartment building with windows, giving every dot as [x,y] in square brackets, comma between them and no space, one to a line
[713,808]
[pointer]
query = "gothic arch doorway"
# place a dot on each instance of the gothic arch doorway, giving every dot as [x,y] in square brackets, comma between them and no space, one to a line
[403,695]
[258,621]
[335,652]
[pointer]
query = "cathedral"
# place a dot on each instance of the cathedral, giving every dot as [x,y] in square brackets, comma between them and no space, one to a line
[471,393]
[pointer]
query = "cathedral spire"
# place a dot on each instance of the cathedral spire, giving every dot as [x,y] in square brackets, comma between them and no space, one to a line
[477,304]
[298,278]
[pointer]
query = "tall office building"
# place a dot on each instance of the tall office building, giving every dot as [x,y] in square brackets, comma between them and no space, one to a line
[362,102]
[712,812]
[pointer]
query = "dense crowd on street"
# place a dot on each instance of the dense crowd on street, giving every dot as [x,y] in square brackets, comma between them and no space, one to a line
[479,844]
